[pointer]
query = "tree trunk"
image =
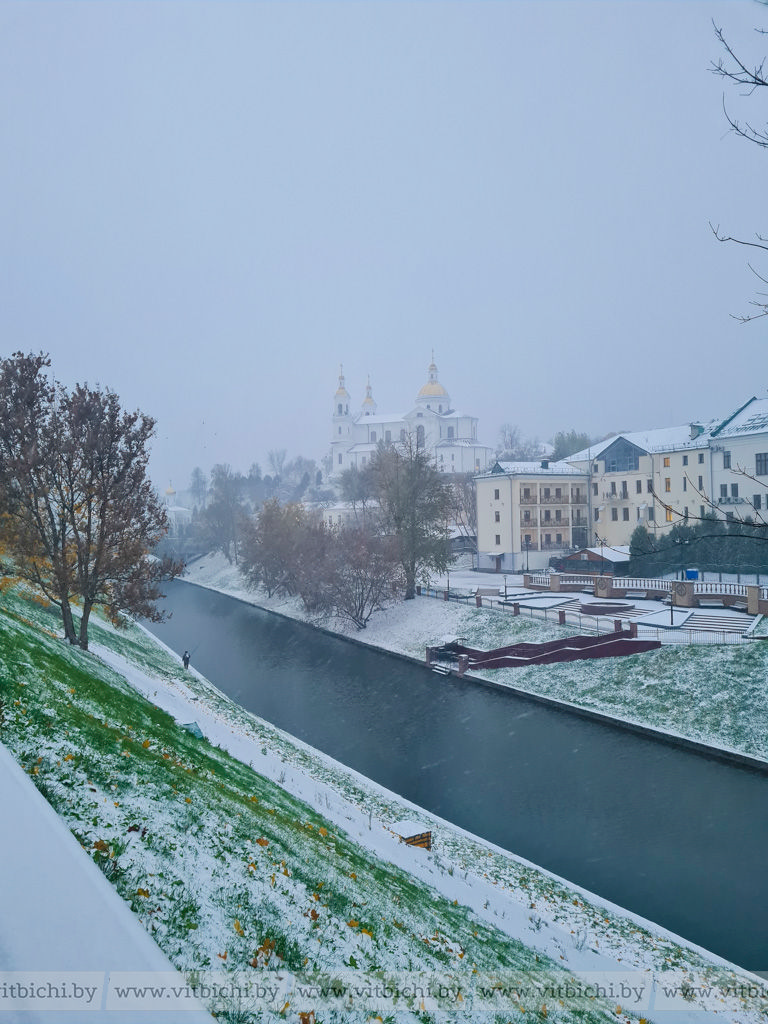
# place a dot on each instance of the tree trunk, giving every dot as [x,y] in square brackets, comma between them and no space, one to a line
[87,605]
[69,623]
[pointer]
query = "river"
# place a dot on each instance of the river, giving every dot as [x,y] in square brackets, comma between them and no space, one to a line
[665,832]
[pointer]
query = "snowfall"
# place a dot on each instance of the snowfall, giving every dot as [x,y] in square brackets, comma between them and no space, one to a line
[57,911]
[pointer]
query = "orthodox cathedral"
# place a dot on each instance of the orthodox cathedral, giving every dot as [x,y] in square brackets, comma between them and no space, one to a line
[449,436]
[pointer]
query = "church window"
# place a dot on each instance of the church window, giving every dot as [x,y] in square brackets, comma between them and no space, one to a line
[387,436]
[373,437]
[439,408]
[340,457]
[339,408]
[450,431]
[402,435]
[420,436]
[339,429]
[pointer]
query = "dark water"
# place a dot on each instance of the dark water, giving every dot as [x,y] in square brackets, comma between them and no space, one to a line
[669,834]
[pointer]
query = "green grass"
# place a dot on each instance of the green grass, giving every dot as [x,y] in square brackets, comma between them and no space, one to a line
[222,866]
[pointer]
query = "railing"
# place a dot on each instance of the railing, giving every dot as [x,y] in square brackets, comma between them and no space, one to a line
[531,499]
[587,580]
[565,521]
[640,583]
[598,624]
[729,589]
[555,499]
[529,522]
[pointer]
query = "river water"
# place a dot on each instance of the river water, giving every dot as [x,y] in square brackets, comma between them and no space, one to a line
[668,833]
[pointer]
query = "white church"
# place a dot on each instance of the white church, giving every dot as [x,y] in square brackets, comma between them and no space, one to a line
[448,435]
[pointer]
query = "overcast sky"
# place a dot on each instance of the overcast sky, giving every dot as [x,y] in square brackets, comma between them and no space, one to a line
[208,206]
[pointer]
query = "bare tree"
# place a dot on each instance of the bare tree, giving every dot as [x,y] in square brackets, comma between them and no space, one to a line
[749,78]
[365,573]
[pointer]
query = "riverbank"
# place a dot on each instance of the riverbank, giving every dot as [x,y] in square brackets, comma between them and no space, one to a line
[245,846]
[711,695]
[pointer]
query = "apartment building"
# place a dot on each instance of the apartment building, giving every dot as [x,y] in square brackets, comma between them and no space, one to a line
[738,452]
[529,511]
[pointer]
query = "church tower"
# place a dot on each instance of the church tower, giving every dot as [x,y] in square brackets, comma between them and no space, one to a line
[433,395]
[341,426]
[369,406]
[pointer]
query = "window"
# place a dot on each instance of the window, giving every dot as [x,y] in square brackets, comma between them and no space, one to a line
[726,460]
[667,484]
[526,492]
[701,483]
[685,460]
[420,436]
[387,436]
[669,515]
[761,464]
[527,538]
[614,514]
[547,515]
[649,486]
[402,434]
[558,492]
[339,458]
[498,540]
[757,501]
[594,489]
[701,458]
[497,516]
[558,515]
[373,437]
[547,538]
[638,486]
[734,490]
[685,483]
[613,486]
[651,514]
[450,431]
[496,494]
[339,429]
[666,462]
[546,492]
[723,490]
[597,515]
[625,514]
[526,516]
[558,538]
[338,409]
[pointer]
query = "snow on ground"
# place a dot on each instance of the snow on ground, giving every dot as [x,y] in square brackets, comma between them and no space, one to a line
[57,911]
[590,937]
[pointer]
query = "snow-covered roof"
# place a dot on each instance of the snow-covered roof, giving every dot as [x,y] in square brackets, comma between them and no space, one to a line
[460,442]
[380,418]
[363,446]
[751,418]
[662,439]
[534,469]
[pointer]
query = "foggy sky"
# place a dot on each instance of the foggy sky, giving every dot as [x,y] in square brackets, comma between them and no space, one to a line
[208,206]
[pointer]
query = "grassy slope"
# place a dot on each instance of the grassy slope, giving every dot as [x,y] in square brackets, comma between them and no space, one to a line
[216,860]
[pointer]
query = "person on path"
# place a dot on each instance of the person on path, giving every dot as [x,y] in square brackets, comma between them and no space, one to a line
[185,659]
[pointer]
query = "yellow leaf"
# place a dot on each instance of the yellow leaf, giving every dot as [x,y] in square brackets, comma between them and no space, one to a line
[285,1008]
[323,832]
[262,842]
[352,923]
[70,757]
[145,744]
[222,956]
[143,892]
[239,928]
[364,931]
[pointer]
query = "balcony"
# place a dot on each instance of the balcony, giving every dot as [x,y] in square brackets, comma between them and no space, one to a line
[529,499]
[533,521]
[554,499]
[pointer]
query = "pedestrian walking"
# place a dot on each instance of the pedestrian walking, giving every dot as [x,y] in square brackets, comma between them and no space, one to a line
[185,659]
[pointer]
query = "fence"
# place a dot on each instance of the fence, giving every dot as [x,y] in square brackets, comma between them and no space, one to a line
[583,623]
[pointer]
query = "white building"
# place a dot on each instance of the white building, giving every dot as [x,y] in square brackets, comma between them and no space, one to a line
[528,512]
[738,451]
[448,435]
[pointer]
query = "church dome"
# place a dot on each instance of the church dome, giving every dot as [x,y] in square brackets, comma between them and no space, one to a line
[341,391]
[433,388]
[369,406]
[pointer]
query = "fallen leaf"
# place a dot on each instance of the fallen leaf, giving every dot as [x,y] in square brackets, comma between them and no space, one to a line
[262,842]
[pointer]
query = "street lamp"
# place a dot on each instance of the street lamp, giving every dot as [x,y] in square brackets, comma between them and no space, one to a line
[449,580]
[601,542]
[527,546]
[505,588]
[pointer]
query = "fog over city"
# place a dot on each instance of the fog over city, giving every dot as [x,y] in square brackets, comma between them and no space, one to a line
[209,207]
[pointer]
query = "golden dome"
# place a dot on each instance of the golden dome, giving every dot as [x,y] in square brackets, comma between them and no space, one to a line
[433,390]
[341,391]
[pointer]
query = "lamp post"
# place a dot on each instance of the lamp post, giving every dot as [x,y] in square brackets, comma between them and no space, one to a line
[449,580]
[601,542]
[505,588]
[527,546]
